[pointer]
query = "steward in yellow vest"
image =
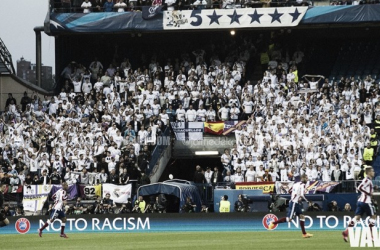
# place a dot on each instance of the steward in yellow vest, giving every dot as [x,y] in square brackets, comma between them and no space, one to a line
[225,205]
[368,155]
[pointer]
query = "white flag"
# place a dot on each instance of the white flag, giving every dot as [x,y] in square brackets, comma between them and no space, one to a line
[119,193]
[188,131]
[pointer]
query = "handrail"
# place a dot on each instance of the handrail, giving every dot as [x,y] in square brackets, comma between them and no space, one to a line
[157,151]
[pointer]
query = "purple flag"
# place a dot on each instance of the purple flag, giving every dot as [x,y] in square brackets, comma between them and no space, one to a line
[72,193]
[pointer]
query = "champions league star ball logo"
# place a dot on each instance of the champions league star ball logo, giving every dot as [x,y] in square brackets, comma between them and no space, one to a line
[22,225]
[268,219]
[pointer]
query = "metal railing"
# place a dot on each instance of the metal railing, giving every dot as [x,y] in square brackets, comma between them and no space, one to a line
[69,8]
[163,141]
[6,59]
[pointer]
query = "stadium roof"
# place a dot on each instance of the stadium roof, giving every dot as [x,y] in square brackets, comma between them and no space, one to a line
[247,18]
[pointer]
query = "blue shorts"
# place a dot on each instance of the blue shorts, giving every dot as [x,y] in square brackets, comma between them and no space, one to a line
[364,208]
[294,209]
[57,214]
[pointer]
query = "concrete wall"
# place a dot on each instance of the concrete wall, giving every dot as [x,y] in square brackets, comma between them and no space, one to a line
[17,86]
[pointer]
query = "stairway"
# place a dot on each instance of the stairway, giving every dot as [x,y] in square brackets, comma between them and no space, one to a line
[6,65]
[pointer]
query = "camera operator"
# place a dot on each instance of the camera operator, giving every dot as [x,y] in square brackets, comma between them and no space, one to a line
[313,207]
[99,208]
[19,212]
[159,205]
[78,207]
[277,204]
[108,204]
[91,207]
[3,219]
[189,206]
[126,208]
[241,205]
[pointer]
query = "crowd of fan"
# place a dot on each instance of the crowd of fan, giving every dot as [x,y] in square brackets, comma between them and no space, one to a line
[353,2]
[88,6]
[103,124]
[69,138]
[328,130]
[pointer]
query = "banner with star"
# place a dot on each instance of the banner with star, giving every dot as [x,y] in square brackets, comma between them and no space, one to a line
[233,18]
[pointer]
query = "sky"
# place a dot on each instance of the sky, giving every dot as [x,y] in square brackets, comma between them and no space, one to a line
[17,21]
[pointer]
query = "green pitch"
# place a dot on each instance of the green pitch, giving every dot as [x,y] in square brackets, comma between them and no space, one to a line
[185,240]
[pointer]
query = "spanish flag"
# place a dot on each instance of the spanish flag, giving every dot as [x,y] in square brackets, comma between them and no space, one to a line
[215,128]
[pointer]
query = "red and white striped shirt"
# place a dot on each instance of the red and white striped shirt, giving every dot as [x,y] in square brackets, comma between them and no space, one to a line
[298,191]
[366,189]
[59,197]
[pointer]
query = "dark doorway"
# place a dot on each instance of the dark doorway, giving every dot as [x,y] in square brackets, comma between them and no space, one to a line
[185,168]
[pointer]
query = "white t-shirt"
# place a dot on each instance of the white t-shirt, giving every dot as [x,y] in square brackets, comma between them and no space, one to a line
[313,85]
[248,106]
[87,87]
[191,114]
[224,111]
[235,113]
[77,86]
[156,109]
[250,175]
[211,115]
[201,114]
[98,85]
[120,7]
[85,7]
[181,114]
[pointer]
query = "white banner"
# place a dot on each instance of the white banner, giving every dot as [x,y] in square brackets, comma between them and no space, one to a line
[233,18]
[283,187]
[34,205]
[188,131]
[36,190]
[119,193]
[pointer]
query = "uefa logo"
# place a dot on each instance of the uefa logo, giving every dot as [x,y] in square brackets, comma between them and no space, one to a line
[22,225]
[268,219]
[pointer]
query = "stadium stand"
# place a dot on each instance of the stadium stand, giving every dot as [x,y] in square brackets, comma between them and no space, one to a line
[102,126]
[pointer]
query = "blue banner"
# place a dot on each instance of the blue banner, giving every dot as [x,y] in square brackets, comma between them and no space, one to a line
[153,19]
[197,222]
[150,12]
[104,22]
